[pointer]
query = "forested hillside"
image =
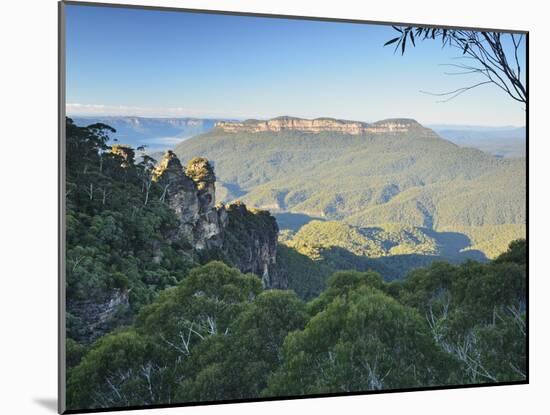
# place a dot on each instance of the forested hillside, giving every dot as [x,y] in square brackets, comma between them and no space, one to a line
[217,335]
[118,255]
[135,228]
[410,177]
[174,298]
[220,247]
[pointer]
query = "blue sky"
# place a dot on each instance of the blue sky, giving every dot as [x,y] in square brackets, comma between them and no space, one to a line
[158,63]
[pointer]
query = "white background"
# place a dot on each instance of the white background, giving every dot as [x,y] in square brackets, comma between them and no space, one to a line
[28,203]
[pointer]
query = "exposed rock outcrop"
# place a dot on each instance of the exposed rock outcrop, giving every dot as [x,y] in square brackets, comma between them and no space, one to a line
[246,238]
[294,124]
[192,197]
[251,243]
[317,125]
[96,318]
[208,230]
[180,192]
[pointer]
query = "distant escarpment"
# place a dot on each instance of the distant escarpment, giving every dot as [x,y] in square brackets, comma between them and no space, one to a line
[246,238]
[318,125]
[156,133]
[412,178]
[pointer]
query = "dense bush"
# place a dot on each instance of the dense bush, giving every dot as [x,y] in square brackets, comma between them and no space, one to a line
[217,335]
[119,235]
[209,332]
[413,178]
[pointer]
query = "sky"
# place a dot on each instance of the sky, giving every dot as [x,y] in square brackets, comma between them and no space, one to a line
[122,61]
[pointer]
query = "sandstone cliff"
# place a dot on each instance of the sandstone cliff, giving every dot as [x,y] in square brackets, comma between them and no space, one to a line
[96,318]
[318,125]
[250,243]
[246,238]
[192,197]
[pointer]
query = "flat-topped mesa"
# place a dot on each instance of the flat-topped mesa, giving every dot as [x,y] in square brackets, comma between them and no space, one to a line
[317,125]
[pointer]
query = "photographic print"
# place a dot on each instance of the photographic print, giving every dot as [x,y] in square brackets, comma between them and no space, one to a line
[272,207]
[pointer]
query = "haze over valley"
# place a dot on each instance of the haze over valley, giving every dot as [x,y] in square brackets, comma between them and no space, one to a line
[158,134]
[162,133]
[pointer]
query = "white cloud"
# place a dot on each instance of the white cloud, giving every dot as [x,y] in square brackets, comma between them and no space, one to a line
[169,141]
[74,108]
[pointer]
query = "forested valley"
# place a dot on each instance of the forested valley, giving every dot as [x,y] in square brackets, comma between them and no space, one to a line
[172,298]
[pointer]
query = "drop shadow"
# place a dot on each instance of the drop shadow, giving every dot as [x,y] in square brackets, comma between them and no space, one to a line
[48,403]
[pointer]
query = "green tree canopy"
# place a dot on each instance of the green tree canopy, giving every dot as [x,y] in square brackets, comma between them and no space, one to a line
[237,365]
[363,340]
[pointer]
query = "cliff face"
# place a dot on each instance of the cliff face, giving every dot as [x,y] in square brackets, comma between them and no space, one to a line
[98,317]
[208,229]
[192,199]
[247,238]
[250,243]
[317,125]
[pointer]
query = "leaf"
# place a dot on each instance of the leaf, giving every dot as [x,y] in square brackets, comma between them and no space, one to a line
[465,49]
[389,42]
[398,29]
[412,39]
[403,45]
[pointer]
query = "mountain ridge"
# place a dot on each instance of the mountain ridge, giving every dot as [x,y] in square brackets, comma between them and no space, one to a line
[159,134]
[317,125]
[413,177]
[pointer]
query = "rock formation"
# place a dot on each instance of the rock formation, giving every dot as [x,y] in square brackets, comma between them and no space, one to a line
[99,317]
[246,238]
[208,230]
[192,197]
[317,125]
[251,243]
[180,192]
